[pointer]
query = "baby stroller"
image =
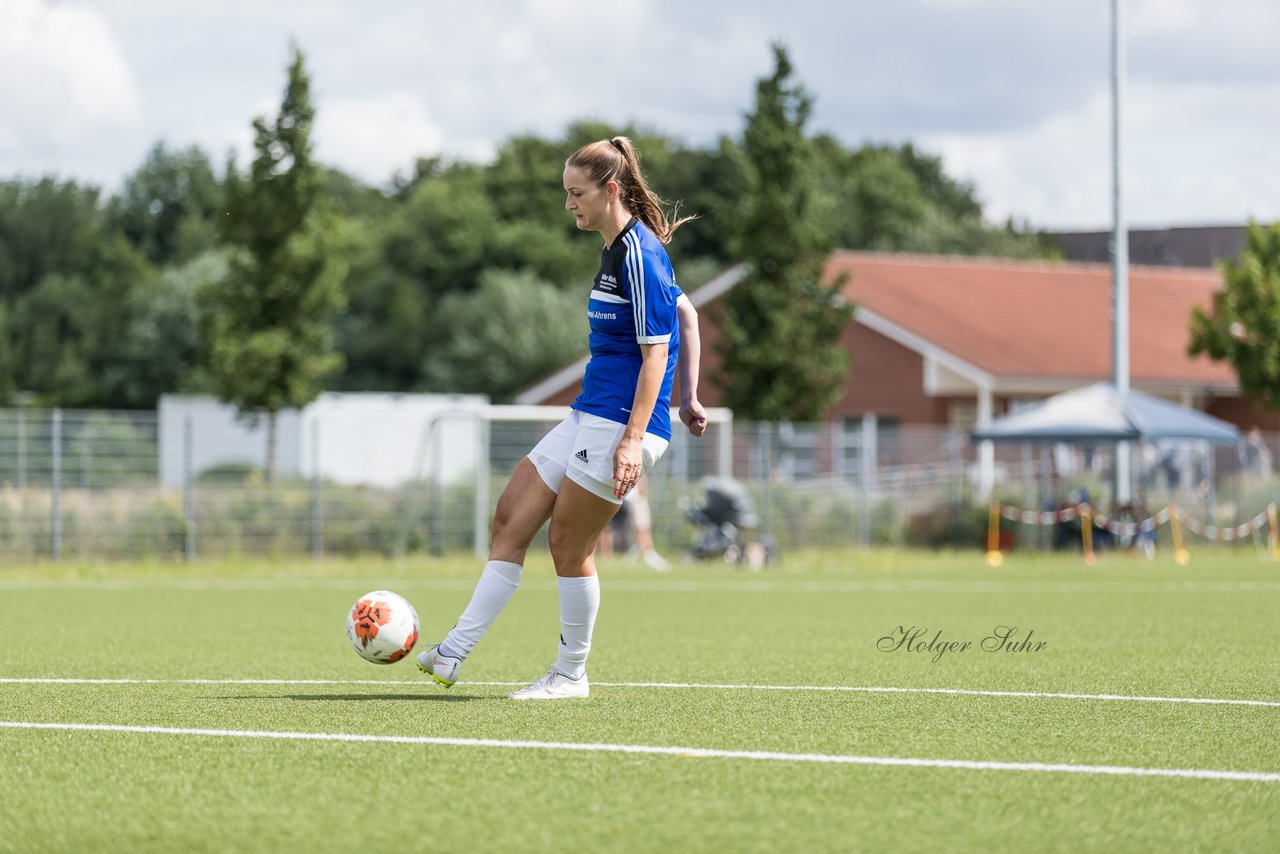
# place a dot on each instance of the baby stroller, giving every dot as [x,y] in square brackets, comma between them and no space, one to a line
[727,523]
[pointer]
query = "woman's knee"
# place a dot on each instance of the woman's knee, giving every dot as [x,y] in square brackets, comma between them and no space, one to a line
[523,508]
[509,528]
[501,518]
[569,546]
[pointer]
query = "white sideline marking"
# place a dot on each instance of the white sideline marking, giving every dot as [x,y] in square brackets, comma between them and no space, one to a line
[705,686]
[962,691]
[688,752]
[673,585]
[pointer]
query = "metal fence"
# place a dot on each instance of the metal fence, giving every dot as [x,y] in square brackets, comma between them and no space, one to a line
[87,485]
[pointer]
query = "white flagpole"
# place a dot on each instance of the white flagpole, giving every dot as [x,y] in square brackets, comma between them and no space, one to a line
[1119,253]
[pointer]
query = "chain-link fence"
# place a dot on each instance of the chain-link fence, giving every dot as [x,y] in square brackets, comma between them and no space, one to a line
[90,484]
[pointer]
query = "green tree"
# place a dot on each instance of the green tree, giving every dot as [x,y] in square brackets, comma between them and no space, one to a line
[884,198]
[781,354]
[352,197]
[442,232]
[897,199]
[513,330]
[71,282]
[268,325]
[54,323]
[6,359]
[169,207]
[161,353]
[951,197]
[383,334]
[68,331]
[1244,328]
[709,183]
[464,223]
[46,227]
[524,181]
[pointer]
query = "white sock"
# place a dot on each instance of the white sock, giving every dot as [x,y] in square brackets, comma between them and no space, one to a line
[494,590]
[579,602]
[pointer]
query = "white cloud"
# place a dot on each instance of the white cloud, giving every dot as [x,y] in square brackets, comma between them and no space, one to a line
[1202,155]
[75,81]
[374,136]
[1053,174]
[1012,94]
[1162,16]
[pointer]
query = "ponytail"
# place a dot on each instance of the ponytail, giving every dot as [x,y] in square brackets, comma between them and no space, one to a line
[616,160]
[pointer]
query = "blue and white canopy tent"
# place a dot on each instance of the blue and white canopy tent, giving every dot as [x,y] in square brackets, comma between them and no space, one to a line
[1099,414]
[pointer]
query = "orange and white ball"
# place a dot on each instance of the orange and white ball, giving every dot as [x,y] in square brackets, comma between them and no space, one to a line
[382,627]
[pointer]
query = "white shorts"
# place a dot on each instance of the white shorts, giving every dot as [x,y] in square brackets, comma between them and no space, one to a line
[581,447]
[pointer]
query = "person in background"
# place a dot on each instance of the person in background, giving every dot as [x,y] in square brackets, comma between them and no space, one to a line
[630,532]
[1257,456]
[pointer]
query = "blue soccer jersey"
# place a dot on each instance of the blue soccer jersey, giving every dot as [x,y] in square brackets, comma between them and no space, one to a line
[633,302]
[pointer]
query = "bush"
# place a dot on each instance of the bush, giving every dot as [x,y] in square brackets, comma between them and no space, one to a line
[157,529]
[227,474]
[949,526]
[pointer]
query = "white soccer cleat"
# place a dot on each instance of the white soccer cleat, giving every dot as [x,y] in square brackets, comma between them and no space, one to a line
[441,668]
[554,686]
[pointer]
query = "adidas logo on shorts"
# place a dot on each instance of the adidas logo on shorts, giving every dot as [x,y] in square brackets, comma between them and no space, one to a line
[582,455]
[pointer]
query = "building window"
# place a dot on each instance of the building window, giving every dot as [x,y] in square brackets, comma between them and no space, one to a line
[963,415]
[1022,404]
[888,443]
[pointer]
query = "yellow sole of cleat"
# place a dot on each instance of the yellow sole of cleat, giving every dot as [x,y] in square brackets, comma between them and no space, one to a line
[434,677]
[446,683]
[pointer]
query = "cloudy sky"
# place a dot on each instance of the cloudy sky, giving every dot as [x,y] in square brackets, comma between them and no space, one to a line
[1012,94]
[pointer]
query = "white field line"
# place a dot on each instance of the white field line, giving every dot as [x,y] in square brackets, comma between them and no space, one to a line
[703,686]
[657,750]
[673,585]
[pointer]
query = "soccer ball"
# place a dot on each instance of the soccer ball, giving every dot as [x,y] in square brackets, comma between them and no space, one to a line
[382,627]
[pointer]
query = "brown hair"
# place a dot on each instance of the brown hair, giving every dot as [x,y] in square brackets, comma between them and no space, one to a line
[616,160]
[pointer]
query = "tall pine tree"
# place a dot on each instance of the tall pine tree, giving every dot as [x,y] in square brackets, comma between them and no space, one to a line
[268,334]
[780,354]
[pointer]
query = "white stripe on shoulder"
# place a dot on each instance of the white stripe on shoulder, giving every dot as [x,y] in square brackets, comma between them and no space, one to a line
[637,298]
[605,297]
[635,265]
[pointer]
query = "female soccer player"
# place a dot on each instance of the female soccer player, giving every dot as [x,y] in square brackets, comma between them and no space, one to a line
[618,428]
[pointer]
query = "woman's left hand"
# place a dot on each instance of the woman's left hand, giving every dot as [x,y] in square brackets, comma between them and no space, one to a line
[694,417]
[628,465]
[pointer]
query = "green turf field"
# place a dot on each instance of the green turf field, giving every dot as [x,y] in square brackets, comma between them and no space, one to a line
[762,694]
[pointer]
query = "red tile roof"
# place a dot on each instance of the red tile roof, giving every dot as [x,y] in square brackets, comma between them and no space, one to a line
[1038,318]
